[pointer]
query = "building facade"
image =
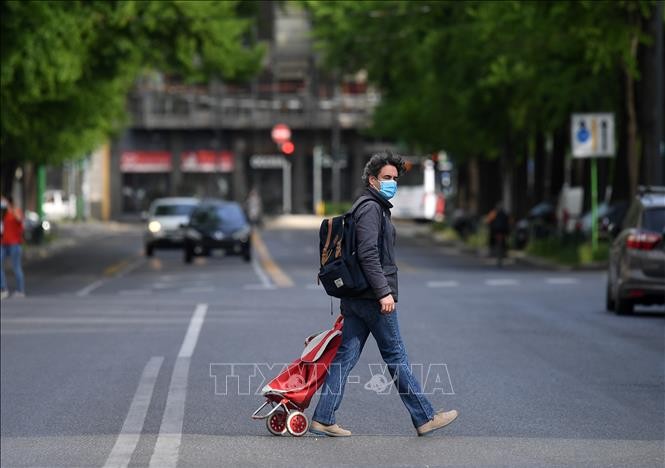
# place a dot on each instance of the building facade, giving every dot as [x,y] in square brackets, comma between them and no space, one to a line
[215,140]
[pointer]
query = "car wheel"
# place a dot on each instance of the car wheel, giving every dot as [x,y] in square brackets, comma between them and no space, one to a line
[149,250]
[247,255]
[189,255]
[624,306]
[609,298]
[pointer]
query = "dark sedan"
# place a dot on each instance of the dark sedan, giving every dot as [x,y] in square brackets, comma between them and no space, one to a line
[217,226]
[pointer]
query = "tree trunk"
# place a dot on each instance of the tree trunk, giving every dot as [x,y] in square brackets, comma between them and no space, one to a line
[474,186]
[633,154]
[559,145]
[7,176]
[540,162]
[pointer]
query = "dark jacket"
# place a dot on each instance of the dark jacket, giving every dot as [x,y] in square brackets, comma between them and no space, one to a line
[381,273]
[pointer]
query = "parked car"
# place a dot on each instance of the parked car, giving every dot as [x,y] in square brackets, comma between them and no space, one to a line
[35,228]
[539,224]
[606,214]
[636,272]
[217,225]
[163,221]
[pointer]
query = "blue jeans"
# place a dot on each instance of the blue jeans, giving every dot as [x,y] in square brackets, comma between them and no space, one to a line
[362,317]
[12,251]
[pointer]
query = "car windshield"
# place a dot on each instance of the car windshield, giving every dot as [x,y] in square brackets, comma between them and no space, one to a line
[654,219]
[231,217]
[173,210]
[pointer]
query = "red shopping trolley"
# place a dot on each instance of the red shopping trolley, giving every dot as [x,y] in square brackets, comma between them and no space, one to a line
[289,394]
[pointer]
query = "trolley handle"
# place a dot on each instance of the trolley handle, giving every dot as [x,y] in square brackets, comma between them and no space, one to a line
[256,413]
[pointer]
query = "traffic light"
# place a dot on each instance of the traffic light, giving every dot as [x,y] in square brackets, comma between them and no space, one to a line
[287,148]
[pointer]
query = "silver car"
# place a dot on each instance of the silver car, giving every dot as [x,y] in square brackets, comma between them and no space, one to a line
[637,256]
[163,222]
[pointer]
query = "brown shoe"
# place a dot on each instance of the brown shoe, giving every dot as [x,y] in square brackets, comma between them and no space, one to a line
[441,419]
[331,431]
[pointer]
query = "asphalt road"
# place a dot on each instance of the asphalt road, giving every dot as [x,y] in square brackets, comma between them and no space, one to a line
[115,359]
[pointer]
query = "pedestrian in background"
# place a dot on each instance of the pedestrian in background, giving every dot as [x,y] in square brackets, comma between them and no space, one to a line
[254,207]
[375,311]
[12,239]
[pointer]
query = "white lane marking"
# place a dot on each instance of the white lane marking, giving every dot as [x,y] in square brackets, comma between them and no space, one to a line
[193,331]
[442,284]
[561,281]
[91,287]
[502,282]
[314,286]
[258,287]
[263,277]
[203,289]
[128,439]
[167,447]
[135,292]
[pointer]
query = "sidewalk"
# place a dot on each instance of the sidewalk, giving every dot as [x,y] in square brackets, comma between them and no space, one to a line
[69,234]
[518,256]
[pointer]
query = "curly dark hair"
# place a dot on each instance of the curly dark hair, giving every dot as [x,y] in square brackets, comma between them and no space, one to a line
[380,159]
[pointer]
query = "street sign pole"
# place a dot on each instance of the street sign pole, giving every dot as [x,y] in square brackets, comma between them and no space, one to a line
[592,137]
[41,188]
[594,204]
[318,153]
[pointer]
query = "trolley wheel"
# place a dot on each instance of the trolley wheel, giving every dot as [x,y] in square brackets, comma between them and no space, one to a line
[276,423]
[297,423]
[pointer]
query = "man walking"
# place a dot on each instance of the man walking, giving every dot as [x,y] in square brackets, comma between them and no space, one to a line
[375,311]
[12,238]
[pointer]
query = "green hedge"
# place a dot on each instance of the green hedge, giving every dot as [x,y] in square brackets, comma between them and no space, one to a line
[568,252]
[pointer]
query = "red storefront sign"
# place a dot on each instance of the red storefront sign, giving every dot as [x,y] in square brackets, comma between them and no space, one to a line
[145,161]
[207,161]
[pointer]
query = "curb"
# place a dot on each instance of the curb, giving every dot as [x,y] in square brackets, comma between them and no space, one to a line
[521,257]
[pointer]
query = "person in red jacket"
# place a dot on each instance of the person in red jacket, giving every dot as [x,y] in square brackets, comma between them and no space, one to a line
[12,238]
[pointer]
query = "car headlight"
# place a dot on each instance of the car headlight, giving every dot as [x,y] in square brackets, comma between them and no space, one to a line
[46,226]
[154,227]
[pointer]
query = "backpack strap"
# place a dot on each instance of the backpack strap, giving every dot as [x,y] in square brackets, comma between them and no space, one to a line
[361,201]
[325,254]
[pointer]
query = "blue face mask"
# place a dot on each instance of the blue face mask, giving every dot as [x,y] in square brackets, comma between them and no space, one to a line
[388,189]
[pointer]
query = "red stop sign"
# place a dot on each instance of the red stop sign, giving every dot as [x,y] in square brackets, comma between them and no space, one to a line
[280,133]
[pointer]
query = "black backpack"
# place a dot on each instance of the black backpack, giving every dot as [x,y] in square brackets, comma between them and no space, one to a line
[340,272]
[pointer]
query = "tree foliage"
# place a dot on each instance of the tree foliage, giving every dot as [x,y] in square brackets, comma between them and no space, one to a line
[467,76]
[67,66]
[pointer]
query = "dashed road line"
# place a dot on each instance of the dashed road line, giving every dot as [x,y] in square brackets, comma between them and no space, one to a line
[167,447]
[129,436]
[442,284]
[502,282]
[561,281]
[258,287]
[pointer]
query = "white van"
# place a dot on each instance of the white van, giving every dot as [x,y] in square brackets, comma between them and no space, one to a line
[57,205]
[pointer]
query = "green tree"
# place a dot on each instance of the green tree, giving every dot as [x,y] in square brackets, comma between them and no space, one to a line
[67,66]
[485,78]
